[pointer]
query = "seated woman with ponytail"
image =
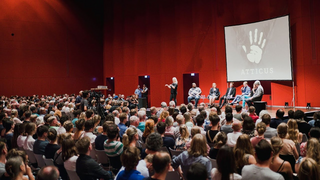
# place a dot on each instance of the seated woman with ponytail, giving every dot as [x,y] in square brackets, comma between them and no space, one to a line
[219,140]
[69,154]
[130,138]
[30,130]
[16,168]
[183,139]
[53,146]
[14,116]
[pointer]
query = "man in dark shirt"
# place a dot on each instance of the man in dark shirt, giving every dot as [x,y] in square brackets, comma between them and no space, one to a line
[279,119]
[84,102]
[303,126]
[41,143]
[161,163]
[168,142]
[86,167]
[99,142]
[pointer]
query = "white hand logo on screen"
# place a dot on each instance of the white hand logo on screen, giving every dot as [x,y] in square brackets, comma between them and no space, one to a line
[256,47]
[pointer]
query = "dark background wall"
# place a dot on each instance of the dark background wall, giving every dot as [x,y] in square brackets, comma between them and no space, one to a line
[165,38]
[57,46]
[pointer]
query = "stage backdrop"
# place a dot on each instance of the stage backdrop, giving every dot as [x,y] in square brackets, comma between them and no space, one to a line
[259,50]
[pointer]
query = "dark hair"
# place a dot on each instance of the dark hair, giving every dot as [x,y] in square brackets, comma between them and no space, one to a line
[200,120]
[88,125]
[52,134]
[68,149]
[197,171]
[226,162]
[228,109]
[171,110]
[46,117]
[161,127]
[189,107]
[7,124]
[112,131]
[183,109]
[19,129]
[32,108]
[48,175]
[315,132]
[110,117]
[238,108]
[248,124]
[89,113]
[27,114]
[203,113]
[14,153]
[63,119]
[60,105]
[130,158]
[41,130]
[160,161]
[291,114]
[229,117]
[154,118]
[80,124]
[263,150]
[83,145]
[280,113]
[30,127]
[85,94]
[266,118]
[214,119]
[122,117]
[76,112]
[154,142]
[298,114]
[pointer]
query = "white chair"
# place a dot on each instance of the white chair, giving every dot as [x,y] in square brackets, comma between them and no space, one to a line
[102,157]
[214,163]
[49,162]
[40,160]
[73,175]
[173,175]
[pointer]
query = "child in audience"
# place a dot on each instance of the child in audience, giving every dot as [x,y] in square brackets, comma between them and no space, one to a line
[252,113]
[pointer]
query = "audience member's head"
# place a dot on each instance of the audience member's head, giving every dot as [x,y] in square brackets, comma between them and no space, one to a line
[149,128]
[236,126]
[266,118]
[130,158]
[291,114]
[220,139]
[282,130]
[68,149]
[198,146]
[197,171]
[199,120]
[68,126]
[314,133]
[130,135]
[261,128]
[161,127]
[88,126]
[238,108]
[228,109]
[280,113]
[309,170]
[15,167]
[83,145]
[154,143]
[214,119]
[195,130]
[226,161]
[313,149]
[161,162]
[263,151]
[80,124]
[123,118]
[52,134]
[48,173]
[277,145]
[183,109]
[252,109]
[169,121]
[299,115]
[42,131]
[112,131]
[229,117]
[248,124]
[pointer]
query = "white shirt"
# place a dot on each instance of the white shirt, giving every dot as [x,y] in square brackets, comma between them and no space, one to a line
[91,136]
[16,120]
[232,138]
[141,167]
[21,140]
[216,175]
[28,143]
[70,164]
[61,130]
[116,120]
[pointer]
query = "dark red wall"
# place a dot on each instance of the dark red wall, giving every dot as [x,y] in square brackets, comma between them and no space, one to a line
[165,38]
[57,46]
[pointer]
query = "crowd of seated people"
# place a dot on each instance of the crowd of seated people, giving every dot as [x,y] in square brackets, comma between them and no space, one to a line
[184,142]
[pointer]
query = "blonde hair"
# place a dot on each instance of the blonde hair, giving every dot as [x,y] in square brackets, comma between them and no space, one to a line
[169,121]
[261,128]
[164,114]
[198,146]
[128,136]
[243,147]
[313,149]
[149,128]
[184,132]
[293,131]
[277,145]
[308,170]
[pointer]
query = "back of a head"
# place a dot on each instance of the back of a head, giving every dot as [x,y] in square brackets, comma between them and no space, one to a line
[199,120]
[282,130]
[298,114]
[266,118]
[228,109]
[89,113]
[161,162]
[163,104]
[112,131]
[263,151]
[315,132]
[122,117]
[308,170]
[220,139]
[214,119]
[248,124]
[48,173]
[130,158]
[229,117]
[154,142]
[2,147]
[277,145]
[198,146]
[291,114]
[41,130]
[238,108]
[226,161]
[280,113]
[203,113]
[161,127]
[52,134]
[183,109]
[169,121]
[13,166]
[88,125]
[261,128]
[197,171]
[252,109]
[195,130]
[83,145]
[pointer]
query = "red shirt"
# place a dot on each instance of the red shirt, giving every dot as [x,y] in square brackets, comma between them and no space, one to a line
[254,117]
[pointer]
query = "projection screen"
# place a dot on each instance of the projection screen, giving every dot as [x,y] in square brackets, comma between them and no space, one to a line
[259,51]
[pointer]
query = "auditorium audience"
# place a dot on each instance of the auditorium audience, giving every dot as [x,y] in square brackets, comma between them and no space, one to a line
[183,137]
[309,170]
[130,159]
[30,130]
[168,142]
[210,134]
[69,154]
[303,126]
[289,147]
[243,152]
[170,130]
[314,133]
[52,146]
[261,128]
[232,137]
[48,173]
[149,128]
[248,126]
[16,168]
[142,117]
[219,141]
[227,128]
[122,127]
[293,132]
[41,143]
[161,164]
[316,116]
[196,153]
[100,139]
[313,152]
[252,113]
[239,111]
[134,123]
[154,143]
[270,132]
[79,129]
[197,171]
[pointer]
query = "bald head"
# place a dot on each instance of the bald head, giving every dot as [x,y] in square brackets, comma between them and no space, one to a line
[180,119]
[48,173]
[236,125]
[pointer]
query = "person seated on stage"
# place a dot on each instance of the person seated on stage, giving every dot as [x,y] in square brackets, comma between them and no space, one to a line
[194,93]
[257,93]
[214,94]
[245,94]
[231,92]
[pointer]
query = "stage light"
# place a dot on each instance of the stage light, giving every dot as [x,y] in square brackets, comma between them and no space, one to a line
[94,79]
[111,78]
[146,76]
[308,105]
[192,74]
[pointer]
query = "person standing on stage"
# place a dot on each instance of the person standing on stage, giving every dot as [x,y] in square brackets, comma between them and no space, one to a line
[144,92]
[194,93]
[174,89]
[245,94]
[137,92]
[214,94]
[231,92]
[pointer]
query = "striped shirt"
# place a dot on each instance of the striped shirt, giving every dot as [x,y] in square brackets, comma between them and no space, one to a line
[113,149]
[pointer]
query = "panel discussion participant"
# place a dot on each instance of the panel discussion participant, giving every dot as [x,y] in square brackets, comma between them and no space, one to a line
[245,94]
[214,94]
[144,93]
[174,89]
[194,93]
[257,93]
[231,92]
